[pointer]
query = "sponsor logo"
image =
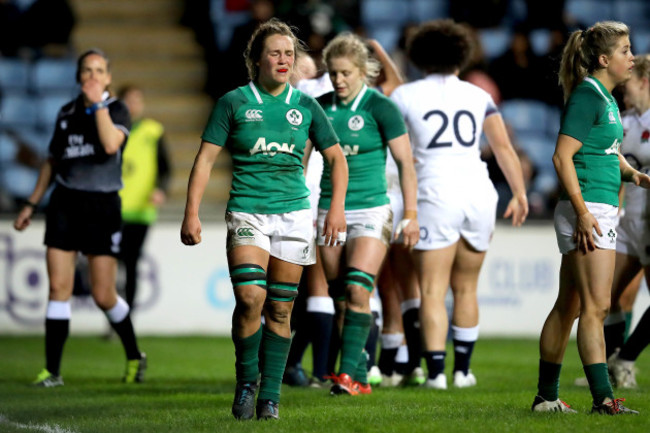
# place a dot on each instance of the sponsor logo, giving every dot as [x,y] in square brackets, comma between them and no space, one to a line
[294,117]
[645,136]
[350,150]
[305,252]
[271,148]
[612,118]
[244,232]
[355,123]
[254,115]
[77,148]
[369,227]
[614,148]
[116,239]
[64,124]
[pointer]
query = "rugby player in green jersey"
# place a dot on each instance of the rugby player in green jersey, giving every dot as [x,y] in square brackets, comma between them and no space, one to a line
[265,126]
[368,124]
[590,169]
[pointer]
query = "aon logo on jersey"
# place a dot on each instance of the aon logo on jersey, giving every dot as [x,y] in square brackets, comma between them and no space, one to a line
[350,150]
[614,148]
[271,148]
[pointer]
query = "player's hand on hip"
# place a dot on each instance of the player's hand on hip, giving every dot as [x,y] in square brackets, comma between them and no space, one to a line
[191,231]
[583,236]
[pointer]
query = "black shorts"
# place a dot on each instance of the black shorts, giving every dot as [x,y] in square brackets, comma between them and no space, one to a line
[89,222]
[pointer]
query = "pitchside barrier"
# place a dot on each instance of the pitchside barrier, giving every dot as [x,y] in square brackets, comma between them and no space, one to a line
[187,290]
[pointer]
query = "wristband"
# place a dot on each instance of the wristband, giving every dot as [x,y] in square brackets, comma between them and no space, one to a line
[410,214]
[28,203]
[96,106]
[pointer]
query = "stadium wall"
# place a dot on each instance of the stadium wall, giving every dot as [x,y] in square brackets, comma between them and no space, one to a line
[186,290]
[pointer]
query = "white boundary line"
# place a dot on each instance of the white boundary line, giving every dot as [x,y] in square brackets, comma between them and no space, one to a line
[4,421]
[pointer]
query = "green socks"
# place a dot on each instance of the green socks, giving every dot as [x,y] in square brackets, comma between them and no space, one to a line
[598,379]
[356,327]
[548,385]
[274,352]
[246,356]
[361,373]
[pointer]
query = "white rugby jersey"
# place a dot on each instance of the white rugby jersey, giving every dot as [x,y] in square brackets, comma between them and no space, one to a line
[445,119]
[636,149]
[315,87]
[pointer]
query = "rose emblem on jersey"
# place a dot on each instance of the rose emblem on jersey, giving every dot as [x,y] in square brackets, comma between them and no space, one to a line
[645,136]
[355,123]
[294,117]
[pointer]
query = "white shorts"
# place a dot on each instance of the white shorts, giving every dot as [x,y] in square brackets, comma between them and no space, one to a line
[445,217]
[374,222]
[286,236]
[565,223]
[634,238]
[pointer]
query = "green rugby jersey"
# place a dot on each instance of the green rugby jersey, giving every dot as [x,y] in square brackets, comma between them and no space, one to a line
[365,126]
[266,138]
[591,116]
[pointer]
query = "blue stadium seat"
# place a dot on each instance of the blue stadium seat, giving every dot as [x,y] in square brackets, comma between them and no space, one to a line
[387,36]
[540,39]
[525,116]
[494,41]
[539,149]
[634,13]
[54,75]
[224,22]
[640,41]
[588,12]
[425,10]
[18,180]
[48,107]
[18,111]
[384,12]
[14,76]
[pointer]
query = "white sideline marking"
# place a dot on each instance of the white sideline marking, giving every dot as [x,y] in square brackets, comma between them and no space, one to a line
[42,427]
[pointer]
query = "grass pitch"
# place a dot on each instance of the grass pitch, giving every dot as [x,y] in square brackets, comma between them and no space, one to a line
[190,383]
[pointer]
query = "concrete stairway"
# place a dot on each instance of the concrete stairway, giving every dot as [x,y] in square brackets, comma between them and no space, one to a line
[149,48]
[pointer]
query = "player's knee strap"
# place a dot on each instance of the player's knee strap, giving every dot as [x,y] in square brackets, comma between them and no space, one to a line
[282,292]
[357,277]
[248,274]
[336,289]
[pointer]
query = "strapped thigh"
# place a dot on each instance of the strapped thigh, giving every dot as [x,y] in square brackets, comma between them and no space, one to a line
[282,292]
[248,274]
[357,277]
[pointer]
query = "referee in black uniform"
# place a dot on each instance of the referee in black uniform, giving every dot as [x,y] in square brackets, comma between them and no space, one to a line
[84,213]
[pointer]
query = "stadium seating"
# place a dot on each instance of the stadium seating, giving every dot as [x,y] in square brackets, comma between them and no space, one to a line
[376,13]
[640,41]
[634,13]
[526,116]
[587,12]
[424,10]
[48,107]
[540,40]
[53,75]
[18,111]
[14,76]
[495,41]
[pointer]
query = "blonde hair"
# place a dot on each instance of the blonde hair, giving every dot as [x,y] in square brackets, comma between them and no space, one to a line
[351,46]
[255,46]
[580,55]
